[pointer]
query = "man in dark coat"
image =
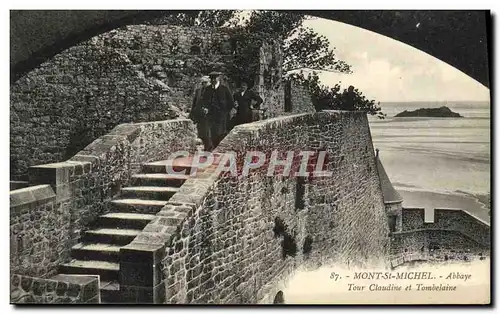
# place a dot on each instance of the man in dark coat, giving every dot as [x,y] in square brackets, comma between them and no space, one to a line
[244,100]
[217,102]
[196,114]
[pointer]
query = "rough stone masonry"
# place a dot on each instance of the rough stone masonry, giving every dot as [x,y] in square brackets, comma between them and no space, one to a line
[48,218]
[225,239]
[137,73]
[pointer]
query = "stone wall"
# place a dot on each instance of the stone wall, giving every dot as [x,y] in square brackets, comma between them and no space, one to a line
[413,218]
[448,232]
[270,84]
[136,73]
[410,241]
[226,239]
[46,221]
[39,229]
[447,219]
[436,246]
[60,289]
[300,100]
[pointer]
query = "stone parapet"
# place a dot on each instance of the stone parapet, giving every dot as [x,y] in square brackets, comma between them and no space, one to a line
[65,289]
[447,219]
[228,239]
[48,218]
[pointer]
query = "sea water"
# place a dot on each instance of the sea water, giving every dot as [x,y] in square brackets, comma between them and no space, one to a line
[431,160]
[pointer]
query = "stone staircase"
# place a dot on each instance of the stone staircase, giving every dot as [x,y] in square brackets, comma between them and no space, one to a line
[136,206]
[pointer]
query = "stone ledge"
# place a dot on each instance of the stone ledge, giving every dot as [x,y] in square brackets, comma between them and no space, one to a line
[129,131]
[154,237]
[90,159]
[122,133]
[80,288]
[33,195]
[53,174]
[431,213]
[142,253]
[58,175]
[162,122]
[193,191]
[252,131]
[89,285]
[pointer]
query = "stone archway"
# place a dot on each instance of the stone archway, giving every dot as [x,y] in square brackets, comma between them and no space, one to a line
[463,46]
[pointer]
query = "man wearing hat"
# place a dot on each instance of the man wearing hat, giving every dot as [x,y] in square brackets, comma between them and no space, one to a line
[217,102]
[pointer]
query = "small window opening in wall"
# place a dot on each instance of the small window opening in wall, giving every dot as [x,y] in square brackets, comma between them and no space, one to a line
[279,227]
[307,247]
[279,298]
[289,245]
[299,193]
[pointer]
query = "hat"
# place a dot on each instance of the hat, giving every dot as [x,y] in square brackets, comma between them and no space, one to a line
[214,73]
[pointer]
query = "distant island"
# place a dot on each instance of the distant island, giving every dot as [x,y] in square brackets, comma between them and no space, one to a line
[441,112]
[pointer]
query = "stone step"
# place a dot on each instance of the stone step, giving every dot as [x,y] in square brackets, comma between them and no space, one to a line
[96,252]
[159,179]
[106,270]
[136,205]
[162,193]
[110,236]
[124,220]
[110,292]
[184,164]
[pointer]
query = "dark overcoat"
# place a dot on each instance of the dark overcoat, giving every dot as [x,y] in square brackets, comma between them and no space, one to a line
[218,102]
[196,114]
[244,113]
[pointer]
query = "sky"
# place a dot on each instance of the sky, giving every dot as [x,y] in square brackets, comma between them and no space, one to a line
[387,70]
